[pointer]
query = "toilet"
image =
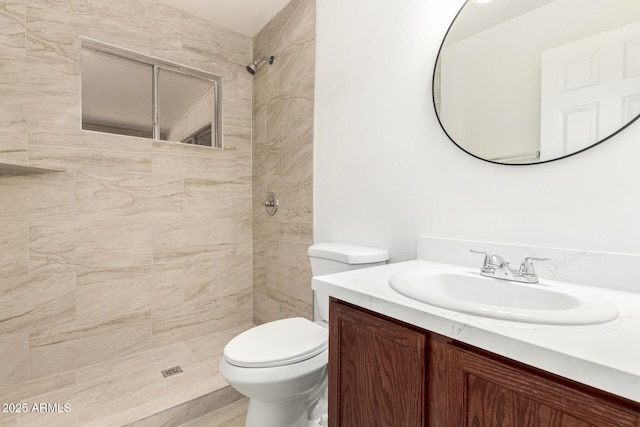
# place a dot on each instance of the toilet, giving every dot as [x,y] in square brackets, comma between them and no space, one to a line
[282,365]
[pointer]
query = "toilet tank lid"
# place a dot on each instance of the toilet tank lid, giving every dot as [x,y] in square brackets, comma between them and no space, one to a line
[348,254]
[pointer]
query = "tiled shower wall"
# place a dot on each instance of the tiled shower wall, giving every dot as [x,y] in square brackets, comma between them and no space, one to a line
[283,163]
[139,244]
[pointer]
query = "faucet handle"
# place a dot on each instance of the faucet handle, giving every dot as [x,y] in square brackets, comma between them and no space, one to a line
[491,262]
[487,256]
[526,267]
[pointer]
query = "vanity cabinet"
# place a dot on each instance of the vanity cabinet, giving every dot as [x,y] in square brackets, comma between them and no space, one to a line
[377,370]
[386,373]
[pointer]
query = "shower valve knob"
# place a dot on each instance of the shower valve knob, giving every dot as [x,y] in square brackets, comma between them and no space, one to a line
[271,203]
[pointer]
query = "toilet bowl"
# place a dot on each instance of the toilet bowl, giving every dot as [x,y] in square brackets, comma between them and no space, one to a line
[284,379]
[282,365]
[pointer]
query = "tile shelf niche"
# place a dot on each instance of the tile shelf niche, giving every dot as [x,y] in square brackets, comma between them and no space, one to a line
[16,167]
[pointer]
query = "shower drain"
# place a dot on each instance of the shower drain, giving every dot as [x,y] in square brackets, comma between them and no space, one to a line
[171,371]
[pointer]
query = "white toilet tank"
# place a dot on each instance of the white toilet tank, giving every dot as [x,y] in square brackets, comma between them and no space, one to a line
[329,258]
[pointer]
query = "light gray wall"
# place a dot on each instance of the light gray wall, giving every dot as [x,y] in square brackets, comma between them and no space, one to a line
[385,172]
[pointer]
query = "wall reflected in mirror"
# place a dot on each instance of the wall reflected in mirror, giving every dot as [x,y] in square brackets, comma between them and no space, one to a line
[520,82]
[131,94]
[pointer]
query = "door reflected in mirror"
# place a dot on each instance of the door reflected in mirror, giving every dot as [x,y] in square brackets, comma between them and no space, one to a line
[522,82]
[131,94]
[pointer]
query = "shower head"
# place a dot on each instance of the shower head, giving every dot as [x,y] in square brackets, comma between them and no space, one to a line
[253,67]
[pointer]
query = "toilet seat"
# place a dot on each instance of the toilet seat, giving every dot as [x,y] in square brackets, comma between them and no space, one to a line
[278,343]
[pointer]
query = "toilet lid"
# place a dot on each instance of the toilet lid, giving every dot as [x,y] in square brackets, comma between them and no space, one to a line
[277,343]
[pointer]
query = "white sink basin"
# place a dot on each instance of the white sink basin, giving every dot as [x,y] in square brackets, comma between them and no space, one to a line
[544,302]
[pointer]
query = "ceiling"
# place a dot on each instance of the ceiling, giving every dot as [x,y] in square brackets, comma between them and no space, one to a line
[246,17]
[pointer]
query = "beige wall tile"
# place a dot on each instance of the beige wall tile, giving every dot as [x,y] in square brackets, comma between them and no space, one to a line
[192,320]
[13,132]
[266,238]
[244,235]
[86,150]
[217,199]
[298,59]
[14,248]
[294,254]
[193,235]
[37,197]
[244,305]
[111,293]
[216,275]
[283,114]
[188,161]
[85,245]
[109,194]
[291,109]
[296,153]
[266,158]
[301,232]
[73,345]
[29,301]
[13,21]
[14,353]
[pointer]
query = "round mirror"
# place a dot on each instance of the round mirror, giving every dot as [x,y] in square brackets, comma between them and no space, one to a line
[530,81]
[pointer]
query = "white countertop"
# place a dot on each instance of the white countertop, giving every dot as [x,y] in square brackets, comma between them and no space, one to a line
[605,356]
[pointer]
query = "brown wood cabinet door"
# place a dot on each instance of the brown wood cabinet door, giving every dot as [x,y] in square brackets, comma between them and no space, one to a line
[377,370]
[486,392]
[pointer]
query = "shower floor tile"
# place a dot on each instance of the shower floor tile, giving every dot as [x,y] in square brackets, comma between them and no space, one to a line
[125,390]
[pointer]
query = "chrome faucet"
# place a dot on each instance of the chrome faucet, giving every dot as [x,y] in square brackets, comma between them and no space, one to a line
[495,266]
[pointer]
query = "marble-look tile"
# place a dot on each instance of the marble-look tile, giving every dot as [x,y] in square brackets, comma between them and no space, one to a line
[30,301]
[259,124]
[38,197]
[236,99]
[52,38]
[192,319]
[216,275]
[14,353]
[291,109]
[301,232]
[189,161]
[105,195]
[13,132]
[33,388]
[192,235]
[57,349]
[233,415]
[130,383]
[294,281]
[266,309]
[215,199]
[244,307]
[266,84]
[230,45]
[119,207]
[293,21]
[13,24]
[296,153]
[95,151]
[119,23]
[244,235]
[294,254]
[14,248]
[266,238]
[298,59]
[266,158]
[290,306]
[111,293]
[85,245]
[296,197]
